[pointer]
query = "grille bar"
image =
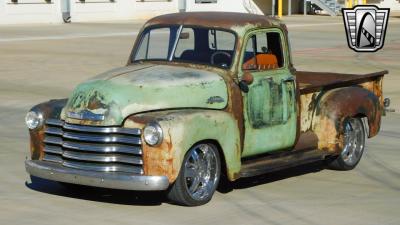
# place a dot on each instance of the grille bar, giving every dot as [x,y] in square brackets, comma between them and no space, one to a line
[53,140]
[54,131]
[53,149]
[102,157]
[102,149]
[53,158]
[102,167]
[102,138]
[106,130]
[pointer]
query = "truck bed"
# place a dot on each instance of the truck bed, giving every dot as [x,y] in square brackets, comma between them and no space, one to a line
[317,81]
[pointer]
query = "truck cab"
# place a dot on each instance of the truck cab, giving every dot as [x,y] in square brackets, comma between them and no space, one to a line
[204,98]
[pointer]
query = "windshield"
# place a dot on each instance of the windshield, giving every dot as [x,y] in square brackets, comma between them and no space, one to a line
[187,44]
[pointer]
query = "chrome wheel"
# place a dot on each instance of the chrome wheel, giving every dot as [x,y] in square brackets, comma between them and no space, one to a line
[201,171]
[354,141]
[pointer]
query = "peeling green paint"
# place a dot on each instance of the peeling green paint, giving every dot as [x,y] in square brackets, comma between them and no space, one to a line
[139,89]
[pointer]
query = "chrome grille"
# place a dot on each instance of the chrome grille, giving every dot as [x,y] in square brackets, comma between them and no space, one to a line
[103,149]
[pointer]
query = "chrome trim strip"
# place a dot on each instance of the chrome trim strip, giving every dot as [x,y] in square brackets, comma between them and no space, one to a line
[102,148]
[102,138]
[53,140]
[103,167]
[53,149]
[56,172]
[86,115]
[114,158]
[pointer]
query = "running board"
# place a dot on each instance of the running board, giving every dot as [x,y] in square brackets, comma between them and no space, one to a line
[273,162]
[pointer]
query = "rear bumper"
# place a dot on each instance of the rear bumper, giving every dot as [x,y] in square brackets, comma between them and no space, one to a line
[57,172]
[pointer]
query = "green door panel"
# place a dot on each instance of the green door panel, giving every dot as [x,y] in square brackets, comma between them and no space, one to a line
[270,114]
[270,110]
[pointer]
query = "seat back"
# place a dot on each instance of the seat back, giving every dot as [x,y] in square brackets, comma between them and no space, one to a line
[263,61]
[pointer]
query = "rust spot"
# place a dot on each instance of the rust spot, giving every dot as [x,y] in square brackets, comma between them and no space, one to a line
[50,109]
[342,103]
[307,141]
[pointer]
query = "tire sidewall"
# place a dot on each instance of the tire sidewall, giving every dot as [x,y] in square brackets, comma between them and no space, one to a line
[180,187]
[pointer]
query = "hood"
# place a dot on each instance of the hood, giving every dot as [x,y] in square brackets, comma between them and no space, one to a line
[112,96]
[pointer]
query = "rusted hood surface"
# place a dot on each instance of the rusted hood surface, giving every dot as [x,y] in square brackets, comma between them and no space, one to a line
[138,88]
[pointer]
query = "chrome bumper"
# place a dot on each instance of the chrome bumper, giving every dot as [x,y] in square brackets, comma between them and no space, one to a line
[56,172]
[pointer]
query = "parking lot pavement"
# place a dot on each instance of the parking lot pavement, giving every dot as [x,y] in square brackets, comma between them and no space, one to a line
[38,63]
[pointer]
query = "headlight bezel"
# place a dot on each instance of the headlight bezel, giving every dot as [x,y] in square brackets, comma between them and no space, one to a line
[34,120]
[156,130]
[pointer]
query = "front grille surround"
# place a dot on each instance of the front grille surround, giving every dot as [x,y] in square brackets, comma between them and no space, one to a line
[101,149]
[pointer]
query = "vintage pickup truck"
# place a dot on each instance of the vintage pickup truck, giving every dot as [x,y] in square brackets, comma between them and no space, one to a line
[204,97]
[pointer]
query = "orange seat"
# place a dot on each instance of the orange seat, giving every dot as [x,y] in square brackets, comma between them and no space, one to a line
[262,61]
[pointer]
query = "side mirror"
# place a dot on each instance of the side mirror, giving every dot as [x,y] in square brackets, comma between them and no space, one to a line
[246,80]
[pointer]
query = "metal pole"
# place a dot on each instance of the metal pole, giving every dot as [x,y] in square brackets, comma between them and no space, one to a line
[273,7]
[305,8]
[289,7]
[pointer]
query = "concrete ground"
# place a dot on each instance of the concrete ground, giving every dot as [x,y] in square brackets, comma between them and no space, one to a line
[42,62]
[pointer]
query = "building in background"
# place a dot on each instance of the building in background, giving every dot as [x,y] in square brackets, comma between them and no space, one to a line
[59,11]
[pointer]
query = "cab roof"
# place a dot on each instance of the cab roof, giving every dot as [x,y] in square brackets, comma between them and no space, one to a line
[225,20]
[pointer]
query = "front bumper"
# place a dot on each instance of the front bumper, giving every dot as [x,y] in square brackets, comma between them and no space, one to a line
[57,172]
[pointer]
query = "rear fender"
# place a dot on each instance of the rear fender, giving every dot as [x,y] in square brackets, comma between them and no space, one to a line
[335,106]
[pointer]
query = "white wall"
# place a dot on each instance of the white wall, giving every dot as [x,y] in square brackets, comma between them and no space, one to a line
[104,10]
[30,11]
[221,5]
[394,5]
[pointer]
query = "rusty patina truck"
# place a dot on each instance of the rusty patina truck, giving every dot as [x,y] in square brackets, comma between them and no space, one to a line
[204,97]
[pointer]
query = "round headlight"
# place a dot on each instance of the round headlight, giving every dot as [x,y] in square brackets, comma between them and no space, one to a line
[153,134]
[33,120]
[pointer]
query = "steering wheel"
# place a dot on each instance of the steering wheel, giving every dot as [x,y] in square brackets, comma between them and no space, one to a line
[219,53]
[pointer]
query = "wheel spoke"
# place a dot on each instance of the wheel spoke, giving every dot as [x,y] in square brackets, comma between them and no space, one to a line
[195,184]
[190,172]
[201,171]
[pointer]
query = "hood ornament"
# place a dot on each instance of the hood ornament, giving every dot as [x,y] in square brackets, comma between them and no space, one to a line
[86,115]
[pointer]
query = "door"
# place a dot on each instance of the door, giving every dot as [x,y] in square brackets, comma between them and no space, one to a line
[270,104]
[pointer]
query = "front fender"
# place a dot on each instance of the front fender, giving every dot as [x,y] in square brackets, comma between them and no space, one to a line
[50,109]
[335,106]
[182,129]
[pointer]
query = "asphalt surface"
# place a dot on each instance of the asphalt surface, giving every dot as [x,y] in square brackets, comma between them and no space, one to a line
[38,63]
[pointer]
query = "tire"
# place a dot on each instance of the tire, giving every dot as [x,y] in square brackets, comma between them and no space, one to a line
[198,177]
[353,146]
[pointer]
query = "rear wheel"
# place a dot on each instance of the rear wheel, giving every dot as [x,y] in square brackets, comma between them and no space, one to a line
[353,145]
[199,176]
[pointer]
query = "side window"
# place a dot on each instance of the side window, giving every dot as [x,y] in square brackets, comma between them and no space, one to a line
[186,43]
[155,44]
[263,52]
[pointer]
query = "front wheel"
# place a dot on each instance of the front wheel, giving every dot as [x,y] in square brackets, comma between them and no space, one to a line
[353,145]
[198,177]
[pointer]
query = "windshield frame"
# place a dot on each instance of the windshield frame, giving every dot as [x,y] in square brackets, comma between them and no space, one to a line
[170,57]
